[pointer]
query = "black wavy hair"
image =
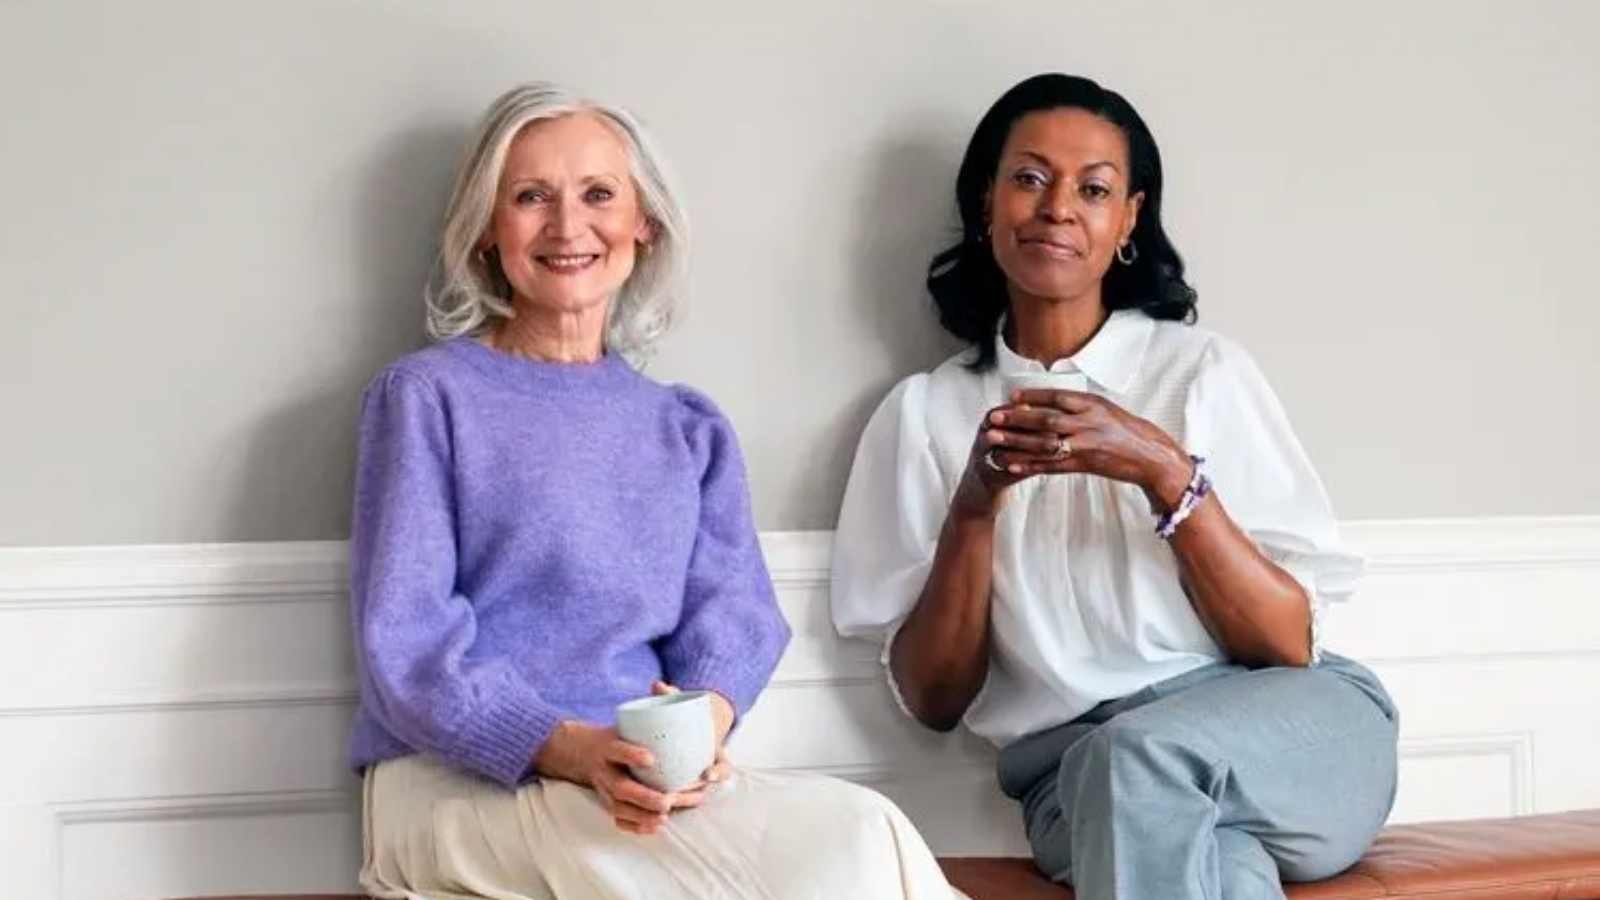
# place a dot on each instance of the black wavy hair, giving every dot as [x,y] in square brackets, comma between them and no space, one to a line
[967,285]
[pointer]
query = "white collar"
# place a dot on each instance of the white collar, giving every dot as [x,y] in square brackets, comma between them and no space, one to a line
[1110,359]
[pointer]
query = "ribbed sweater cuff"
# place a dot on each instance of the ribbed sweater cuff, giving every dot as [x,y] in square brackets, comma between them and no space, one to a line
[506,734]
[732,678]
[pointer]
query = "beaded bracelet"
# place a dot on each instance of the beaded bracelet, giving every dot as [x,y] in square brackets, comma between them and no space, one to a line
[1196,491]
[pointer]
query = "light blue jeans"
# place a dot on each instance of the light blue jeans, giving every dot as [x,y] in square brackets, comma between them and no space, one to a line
[1218,784]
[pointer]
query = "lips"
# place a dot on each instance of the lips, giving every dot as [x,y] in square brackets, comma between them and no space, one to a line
[566,263]
[1052,247]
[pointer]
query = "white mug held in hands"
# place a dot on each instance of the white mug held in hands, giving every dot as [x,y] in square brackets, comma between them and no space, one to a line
[678,730]
[1042,381]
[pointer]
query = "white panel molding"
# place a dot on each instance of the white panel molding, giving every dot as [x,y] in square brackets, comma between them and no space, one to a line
[1516,748]
[1520,656]
[798,559]
[204,806]
[316,571]
[172,574]
[877,775]
[152,810]
[1402,546]
[842,681]
[1468,622]
[195,701]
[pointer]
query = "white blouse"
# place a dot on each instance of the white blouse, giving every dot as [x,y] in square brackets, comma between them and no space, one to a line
[1086,601]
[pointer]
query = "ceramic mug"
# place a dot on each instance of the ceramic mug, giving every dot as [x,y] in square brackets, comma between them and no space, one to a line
[677,728]
[1050,381]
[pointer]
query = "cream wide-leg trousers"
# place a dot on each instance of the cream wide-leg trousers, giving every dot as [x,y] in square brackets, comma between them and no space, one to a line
[435,832]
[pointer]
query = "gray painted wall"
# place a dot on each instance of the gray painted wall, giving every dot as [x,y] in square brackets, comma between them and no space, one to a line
[218,217]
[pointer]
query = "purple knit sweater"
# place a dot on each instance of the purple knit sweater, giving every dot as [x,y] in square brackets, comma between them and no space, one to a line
[534,542]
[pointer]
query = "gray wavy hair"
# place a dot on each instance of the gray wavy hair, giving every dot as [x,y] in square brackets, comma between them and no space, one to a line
[469,293]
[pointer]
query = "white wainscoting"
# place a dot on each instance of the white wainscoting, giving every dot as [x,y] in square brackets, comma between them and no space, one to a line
[172,718]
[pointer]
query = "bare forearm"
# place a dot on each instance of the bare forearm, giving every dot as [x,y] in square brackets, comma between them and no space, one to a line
[1252,607]
[941,654]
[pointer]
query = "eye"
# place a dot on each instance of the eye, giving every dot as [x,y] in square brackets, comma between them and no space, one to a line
[531,195]
[598,194]
[1029,178]
[1095,191]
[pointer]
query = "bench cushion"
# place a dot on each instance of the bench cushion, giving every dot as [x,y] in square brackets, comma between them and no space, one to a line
[1548,857]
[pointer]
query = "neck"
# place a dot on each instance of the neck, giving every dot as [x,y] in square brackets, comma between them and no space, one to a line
[558,336]
[1053,329]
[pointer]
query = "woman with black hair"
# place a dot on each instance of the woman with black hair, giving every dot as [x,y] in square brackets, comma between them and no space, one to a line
[1112,570]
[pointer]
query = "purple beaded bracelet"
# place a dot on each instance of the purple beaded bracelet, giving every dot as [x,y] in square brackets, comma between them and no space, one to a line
[1196,491]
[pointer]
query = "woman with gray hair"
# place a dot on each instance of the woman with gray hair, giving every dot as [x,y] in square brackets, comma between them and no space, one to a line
[542,533]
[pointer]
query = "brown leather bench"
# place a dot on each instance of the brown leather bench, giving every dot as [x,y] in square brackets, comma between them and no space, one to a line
[1549,857]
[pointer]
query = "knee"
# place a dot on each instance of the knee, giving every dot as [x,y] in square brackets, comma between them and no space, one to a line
[861,804]
[1316,857]
[1247,871]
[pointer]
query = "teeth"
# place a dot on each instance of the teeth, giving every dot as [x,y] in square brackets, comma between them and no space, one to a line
[570,261]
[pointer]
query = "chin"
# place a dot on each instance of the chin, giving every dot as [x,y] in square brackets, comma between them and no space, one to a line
[1053,290]
[563,298]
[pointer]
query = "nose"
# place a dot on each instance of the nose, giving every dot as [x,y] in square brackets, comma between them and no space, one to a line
[566,219]
[1056,205]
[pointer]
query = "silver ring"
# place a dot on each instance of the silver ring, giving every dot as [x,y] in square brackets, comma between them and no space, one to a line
[1064,448]
[988,460]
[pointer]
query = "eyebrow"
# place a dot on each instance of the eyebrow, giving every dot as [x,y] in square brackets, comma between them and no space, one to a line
[1094,165]
[585,179]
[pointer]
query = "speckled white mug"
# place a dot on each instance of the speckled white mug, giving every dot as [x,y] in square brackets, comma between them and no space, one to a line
[1048,381]
[678,729]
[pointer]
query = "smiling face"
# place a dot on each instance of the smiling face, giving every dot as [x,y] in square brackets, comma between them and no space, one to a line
[567,215]
[1059,206]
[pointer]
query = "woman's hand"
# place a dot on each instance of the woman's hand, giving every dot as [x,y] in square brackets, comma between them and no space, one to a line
[1101,438]
[1002,443]
[597,757]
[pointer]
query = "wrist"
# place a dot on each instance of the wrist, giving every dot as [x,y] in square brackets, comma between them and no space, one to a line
[722,715]
[975,502]
[561,754]
[1167,480]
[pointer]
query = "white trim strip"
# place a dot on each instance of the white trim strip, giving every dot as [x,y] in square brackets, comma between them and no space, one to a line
[316,571]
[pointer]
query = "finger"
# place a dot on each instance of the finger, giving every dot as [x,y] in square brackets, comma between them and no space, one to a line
[721,765]
[688,799]
[632,793]
[1064,465]
[636,827]
[642,819]
[623,811]
[622,753]
[661,687]
[719,770]
[1009,463]
[1022,442]
[997,412]
[1030,418]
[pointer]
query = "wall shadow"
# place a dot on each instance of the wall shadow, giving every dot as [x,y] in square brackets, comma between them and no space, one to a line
[901,218]
[298,472]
